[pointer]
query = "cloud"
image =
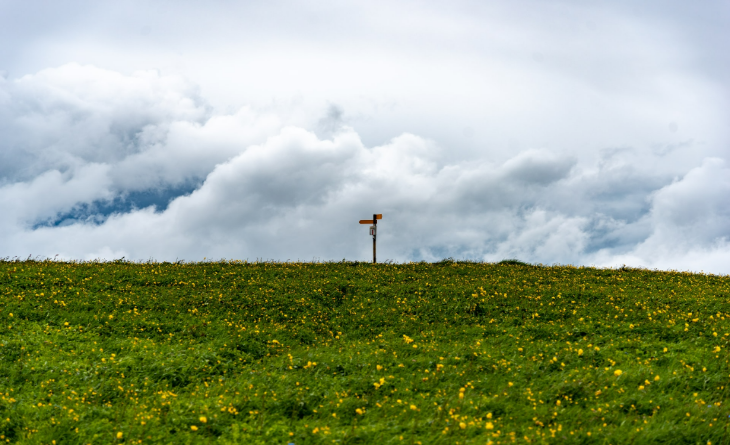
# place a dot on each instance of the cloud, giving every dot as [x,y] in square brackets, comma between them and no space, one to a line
[538,167]
[694,209]
[71,115]
[52,192]
[244,184]
[689,222]
[138,132]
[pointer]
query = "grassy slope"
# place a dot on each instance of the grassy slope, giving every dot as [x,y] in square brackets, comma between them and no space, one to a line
[272,353]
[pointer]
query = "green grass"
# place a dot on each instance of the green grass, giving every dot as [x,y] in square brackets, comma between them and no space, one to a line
[445,353]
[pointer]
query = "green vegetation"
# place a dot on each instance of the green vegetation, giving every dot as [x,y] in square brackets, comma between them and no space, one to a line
[452,352]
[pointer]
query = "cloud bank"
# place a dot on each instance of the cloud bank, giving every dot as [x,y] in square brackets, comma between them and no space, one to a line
[98,164]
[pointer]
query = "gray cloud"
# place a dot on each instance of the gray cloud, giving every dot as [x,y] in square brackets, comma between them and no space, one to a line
[538,167]
[549,131]
[72,115]
[282,192]
[332,122]
[696,209]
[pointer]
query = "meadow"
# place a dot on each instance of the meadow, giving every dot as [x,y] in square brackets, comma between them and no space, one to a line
[355,353]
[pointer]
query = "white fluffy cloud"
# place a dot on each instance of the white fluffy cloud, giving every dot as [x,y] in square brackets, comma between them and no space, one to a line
[82,139]
[551,132]
[690,223]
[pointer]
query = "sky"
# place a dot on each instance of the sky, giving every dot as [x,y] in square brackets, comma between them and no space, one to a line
[553,132]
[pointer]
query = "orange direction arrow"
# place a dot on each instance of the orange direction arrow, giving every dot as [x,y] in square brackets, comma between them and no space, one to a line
[370,221]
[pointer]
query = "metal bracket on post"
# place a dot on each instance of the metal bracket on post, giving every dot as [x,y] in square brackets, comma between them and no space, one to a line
[373,231]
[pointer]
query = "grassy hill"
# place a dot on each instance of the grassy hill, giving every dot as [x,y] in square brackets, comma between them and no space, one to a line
[233,352]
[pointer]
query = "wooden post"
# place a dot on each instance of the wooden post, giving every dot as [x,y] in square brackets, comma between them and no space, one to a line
[375,234]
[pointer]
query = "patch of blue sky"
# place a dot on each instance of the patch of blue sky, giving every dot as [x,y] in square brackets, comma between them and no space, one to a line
[97,212]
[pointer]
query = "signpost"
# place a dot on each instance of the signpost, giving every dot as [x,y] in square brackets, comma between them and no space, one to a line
[373,229]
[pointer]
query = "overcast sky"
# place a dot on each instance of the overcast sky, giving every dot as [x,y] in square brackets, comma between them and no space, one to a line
[571,132]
